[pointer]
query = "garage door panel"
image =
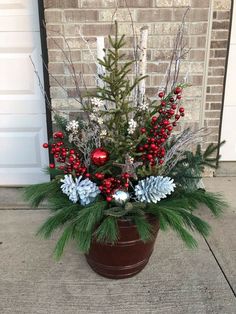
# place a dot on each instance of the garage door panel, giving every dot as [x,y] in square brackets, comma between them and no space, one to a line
[18,144]
[21,148]
[228,133]
[12,69]
[19,86]
[23,176]
[20,15]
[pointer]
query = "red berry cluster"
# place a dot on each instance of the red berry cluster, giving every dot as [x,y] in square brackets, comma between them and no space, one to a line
[160,128]
[109,185]
[67,158]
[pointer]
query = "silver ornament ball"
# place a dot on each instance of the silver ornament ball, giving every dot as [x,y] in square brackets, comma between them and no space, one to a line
[121,197]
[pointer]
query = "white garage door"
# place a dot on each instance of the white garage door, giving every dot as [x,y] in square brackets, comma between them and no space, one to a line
[228,151]
[22,108]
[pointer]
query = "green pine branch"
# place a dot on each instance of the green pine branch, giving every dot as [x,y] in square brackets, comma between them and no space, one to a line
[188,170]
[144,228]
[37,193]
[107,231]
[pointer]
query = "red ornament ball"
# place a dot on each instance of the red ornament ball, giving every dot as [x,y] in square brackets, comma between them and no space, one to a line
[45,145]
[52,166]
[99,156]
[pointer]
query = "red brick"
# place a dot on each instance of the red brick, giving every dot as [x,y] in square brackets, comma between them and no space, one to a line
[81,16]
[136,3]
[97,29]
[60,4]
[155,15]
[98,4]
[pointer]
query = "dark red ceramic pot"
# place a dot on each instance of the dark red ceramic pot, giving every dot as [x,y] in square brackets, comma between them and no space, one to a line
[127,257]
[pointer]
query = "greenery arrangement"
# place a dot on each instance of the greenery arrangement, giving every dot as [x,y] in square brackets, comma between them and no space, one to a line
[124,162]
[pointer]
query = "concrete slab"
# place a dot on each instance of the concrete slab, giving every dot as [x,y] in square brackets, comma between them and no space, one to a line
[223,237]
[226,169]
[176,281]
[12,198]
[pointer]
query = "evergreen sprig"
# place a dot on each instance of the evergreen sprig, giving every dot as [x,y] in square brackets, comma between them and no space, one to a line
[107,231]
[188,170]
[176,213]
[36,194]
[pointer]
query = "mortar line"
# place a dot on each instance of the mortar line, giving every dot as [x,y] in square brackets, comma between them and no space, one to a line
[221,268]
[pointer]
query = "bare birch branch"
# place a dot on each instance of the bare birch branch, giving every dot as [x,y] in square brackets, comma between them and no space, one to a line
[183,142]
[143,61]
[177,56]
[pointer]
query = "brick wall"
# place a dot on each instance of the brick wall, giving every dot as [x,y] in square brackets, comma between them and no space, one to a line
[216,66]
[206,35]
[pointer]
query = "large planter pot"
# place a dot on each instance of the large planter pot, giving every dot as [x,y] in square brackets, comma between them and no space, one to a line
[127,257]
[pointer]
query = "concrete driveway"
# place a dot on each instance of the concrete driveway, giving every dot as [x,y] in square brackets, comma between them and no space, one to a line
[176,280]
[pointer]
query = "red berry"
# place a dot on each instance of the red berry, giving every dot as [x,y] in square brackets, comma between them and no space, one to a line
[162,131]
[174,123]
[177,116]
[107,184]
[166,122]
[149,157]
[172,99]
[154,119]
[161,94]
[88,175]
[72,151]
[179,97]
[60,134]
[181,109]
[182,114]
[52,166]
[45,145]
[163,103]
[174,106]
[143,130]
[99,176]
[126,185]
[161,161]
[71,159]
[178,90]
[109,198]
[170,128]
[126,175]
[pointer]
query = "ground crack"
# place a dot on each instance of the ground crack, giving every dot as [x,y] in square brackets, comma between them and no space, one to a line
[221,268]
